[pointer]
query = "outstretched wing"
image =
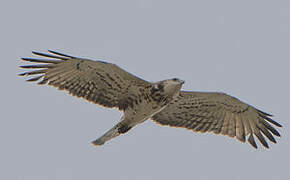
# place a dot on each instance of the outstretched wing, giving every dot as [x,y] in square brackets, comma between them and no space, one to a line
[218,113]
[96,81]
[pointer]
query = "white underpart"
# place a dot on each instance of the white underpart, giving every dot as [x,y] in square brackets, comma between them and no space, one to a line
[146,117]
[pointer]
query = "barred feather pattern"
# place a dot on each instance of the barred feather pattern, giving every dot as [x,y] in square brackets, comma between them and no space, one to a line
[221,114]
[96,81]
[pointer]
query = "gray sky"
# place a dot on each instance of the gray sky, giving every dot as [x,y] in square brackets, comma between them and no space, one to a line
[238,47]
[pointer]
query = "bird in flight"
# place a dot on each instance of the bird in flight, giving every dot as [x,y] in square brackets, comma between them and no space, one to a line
[164,102]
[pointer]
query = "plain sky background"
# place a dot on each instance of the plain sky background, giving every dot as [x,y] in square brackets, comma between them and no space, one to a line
[238,47]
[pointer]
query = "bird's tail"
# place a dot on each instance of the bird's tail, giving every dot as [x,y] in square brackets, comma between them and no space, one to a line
[114,132]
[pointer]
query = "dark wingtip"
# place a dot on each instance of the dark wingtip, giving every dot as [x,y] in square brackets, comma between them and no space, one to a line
[266,145]
[36,53]
[50,55]
[34,78]
[39,53]
[272,121]
[273,141]
[251,140]
[265,116]
[279,125]
[264,113]
[25,59]
[276,133]
[60,54]
[27,66]
[22,74]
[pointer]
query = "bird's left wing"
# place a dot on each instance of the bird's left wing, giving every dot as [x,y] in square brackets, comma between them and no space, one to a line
[218,113]
[96,81]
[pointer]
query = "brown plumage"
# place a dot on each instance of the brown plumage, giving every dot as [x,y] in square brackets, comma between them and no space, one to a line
[108,85]
[218,113]
[96,81]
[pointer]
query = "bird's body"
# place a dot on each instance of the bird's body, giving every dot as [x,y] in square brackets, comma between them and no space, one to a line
[143,109]
[108,85]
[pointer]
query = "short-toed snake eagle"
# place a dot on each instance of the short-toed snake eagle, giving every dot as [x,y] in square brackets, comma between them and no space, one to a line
[108,85]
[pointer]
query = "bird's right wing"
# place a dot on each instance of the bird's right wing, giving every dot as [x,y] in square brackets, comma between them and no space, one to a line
[96,81]
[218,113]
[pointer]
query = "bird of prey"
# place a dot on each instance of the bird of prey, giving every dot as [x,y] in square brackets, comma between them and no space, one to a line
[164,102]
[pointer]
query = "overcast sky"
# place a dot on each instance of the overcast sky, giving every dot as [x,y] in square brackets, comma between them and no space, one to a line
[238,47]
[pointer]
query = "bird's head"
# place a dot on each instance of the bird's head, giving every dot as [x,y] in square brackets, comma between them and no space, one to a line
[167,88]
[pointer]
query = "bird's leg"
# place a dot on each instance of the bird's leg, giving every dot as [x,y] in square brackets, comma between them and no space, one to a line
[118,129]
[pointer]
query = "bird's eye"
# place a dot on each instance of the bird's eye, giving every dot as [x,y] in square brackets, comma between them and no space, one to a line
[174,79]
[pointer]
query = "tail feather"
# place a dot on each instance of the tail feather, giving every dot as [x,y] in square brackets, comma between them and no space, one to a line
[114,132]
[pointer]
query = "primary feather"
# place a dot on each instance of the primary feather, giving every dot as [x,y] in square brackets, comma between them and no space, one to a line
[96,81]
[218,113]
